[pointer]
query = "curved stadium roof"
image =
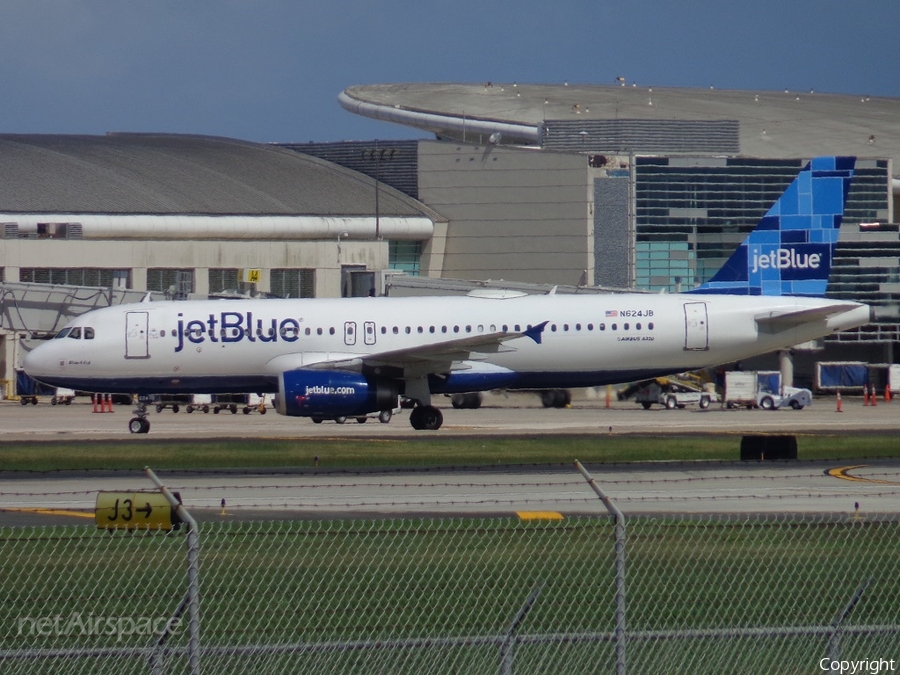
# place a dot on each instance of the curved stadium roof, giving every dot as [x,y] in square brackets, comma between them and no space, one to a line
[771,124]
[177,174]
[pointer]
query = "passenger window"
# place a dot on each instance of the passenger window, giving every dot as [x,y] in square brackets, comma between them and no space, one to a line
[614,327]
[637,326]
[602,326]
[625,326]
[89,333]
[650,326]
[590,326]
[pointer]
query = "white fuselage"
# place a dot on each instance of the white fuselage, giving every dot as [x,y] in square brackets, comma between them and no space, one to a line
[243,346]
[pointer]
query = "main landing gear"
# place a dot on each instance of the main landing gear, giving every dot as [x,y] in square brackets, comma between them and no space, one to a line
[426,417]
[139,424]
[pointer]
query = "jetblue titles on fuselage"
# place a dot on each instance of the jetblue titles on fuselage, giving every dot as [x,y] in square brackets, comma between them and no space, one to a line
[235,327]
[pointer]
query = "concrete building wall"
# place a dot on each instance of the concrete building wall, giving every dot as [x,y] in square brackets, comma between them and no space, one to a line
[138,256]
[511,214]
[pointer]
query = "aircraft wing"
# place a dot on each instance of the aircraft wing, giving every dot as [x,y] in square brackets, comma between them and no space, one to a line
[424,359]
[776,321]
[434,357]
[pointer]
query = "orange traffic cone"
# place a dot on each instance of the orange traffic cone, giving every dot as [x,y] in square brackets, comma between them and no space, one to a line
[94,401]
[887,393]
[865,395]
[840,403]
[874,397]
[109,406]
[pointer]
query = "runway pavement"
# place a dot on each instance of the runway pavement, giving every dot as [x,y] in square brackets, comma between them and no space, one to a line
[659,488]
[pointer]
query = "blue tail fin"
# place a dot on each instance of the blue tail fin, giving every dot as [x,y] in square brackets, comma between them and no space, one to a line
[790,250]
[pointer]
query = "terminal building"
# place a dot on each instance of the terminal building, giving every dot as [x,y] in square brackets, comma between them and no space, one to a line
[582,186]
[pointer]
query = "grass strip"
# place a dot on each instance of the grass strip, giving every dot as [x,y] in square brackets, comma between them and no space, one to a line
[418,452]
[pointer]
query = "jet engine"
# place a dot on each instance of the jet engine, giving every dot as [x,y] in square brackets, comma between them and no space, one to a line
[333,393]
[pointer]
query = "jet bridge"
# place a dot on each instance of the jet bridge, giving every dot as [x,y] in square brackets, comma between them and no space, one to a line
[31,313]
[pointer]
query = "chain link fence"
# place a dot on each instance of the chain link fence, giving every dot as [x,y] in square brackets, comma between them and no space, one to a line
[702,594]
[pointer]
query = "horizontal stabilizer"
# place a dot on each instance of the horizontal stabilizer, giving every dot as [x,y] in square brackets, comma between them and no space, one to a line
[775,321]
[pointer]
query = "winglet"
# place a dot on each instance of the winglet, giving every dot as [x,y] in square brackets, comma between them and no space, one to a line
[535,332]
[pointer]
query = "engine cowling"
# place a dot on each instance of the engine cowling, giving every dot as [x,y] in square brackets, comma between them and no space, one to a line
[330,393]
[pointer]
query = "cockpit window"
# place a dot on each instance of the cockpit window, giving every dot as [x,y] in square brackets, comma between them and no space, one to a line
[88,333]
[75,333]
[62,333]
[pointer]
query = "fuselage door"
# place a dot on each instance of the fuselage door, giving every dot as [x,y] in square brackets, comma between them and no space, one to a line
[350,333]
[136,335]
[369,334]
[696,327]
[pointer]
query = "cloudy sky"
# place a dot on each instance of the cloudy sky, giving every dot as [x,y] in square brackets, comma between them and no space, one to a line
[271,70]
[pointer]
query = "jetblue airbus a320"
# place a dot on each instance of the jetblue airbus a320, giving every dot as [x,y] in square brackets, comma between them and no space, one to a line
[327,358]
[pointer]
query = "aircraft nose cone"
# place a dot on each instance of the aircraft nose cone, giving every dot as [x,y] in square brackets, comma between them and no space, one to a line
[34,363]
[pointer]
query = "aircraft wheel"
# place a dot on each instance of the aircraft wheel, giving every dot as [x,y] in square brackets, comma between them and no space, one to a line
[704,402]
[138,425]
[361,420]
[385,416]
[671,403]
[767,403]
[646,404]
[426,417]
[262,410]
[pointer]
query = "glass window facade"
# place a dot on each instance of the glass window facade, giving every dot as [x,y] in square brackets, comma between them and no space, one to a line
[176,284]
[405,256]
[293,283]
[76,276]
[691,213]
[221,280]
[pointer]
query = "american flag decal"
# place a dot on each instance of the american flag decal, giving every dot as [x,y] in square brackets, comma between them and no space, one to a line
[612,312]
